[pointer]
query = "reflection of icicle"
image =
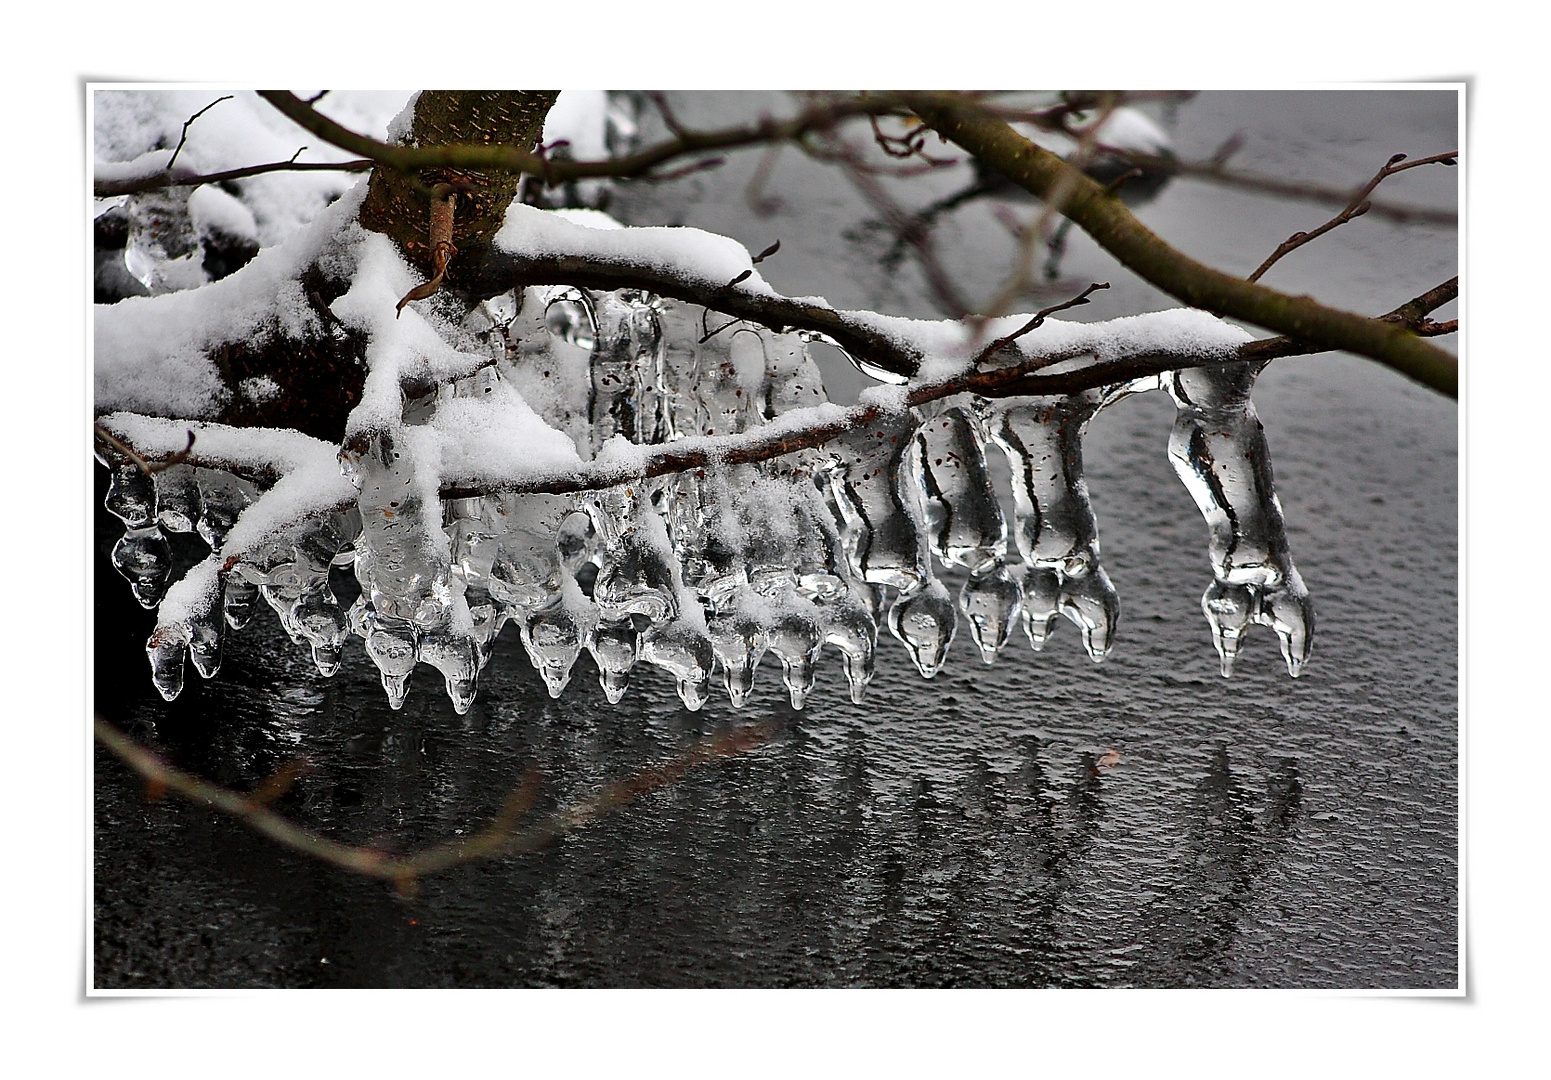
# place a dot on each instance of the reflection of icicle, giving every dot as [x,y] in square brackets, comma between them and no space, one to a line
[1219,451]
[1056,532]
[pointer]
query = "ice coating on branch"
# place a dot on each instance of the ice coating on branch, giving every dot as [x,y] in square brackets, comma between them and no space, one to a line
[1218,450]
[698,575]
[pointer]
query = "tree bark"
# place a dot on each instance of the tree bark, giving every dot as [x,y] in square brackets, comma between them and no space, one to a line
[397,206]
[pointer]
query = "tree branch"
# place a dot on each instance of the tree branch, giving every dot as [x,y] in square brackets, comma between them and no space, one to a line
[1356,208]
[1118,231]
[107,189]
[410,159]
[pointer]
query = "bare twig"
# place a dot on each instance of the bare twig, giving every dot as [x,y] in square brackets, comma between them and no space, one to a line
[820,116]
[149,468]
[1358,206]
[1216,172]
[183,138]
[105,189]
[1036,322]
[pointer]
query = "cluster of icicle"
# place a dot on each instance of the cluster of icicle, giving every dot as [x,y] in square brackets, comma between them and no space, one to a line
[704,572]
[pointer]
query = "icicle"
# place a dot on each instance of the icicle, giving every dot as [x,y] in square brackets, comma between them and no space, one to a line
[454,653]
[615,647]
[549,349]
[555,636]
[626,368]
[684,651]
[166,649]
[1218,450]
[1055,528]
[163,251]
[876,495]
[204,641]
[144,559]
[223,497]
[402,558]
[965,523]
[131,496]
[237,596]
[393,645]
[177,498]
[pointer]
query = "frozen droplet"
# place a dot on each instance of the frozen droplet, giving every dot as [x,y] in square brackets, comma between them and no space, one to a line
[237,596]
[144,559]
[554,639]
[455,656]
[848,624]
[321,621]
[1290,613]
[392,648]
[1041,603]
[738,643]
[166,649]
[1089,600]
[131,496]
[685,653]
[204,642]
[615,648]
[795,637]
[991,602]
[177,498]
[924,622]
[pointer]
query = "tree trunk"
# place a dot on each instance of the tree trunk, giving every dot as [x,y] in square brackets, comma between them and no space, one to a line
[398,208]
[321,378]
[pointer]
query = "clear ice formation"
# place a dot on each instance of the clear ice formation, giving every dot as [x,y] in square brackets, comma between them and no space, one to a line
[705,573]
[1218,450]
[1053,521]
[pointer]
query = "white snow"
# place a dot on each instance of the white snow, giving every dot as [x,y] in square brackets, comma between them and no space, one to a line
[135,130]
[686,254]
[495,436]
[151,354]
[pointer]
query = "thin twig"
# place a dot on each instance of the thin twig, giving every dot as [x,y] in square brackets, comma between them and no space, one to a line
[106,189]
[1358,206]
[149,468]
[183,138]
[1037,321]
